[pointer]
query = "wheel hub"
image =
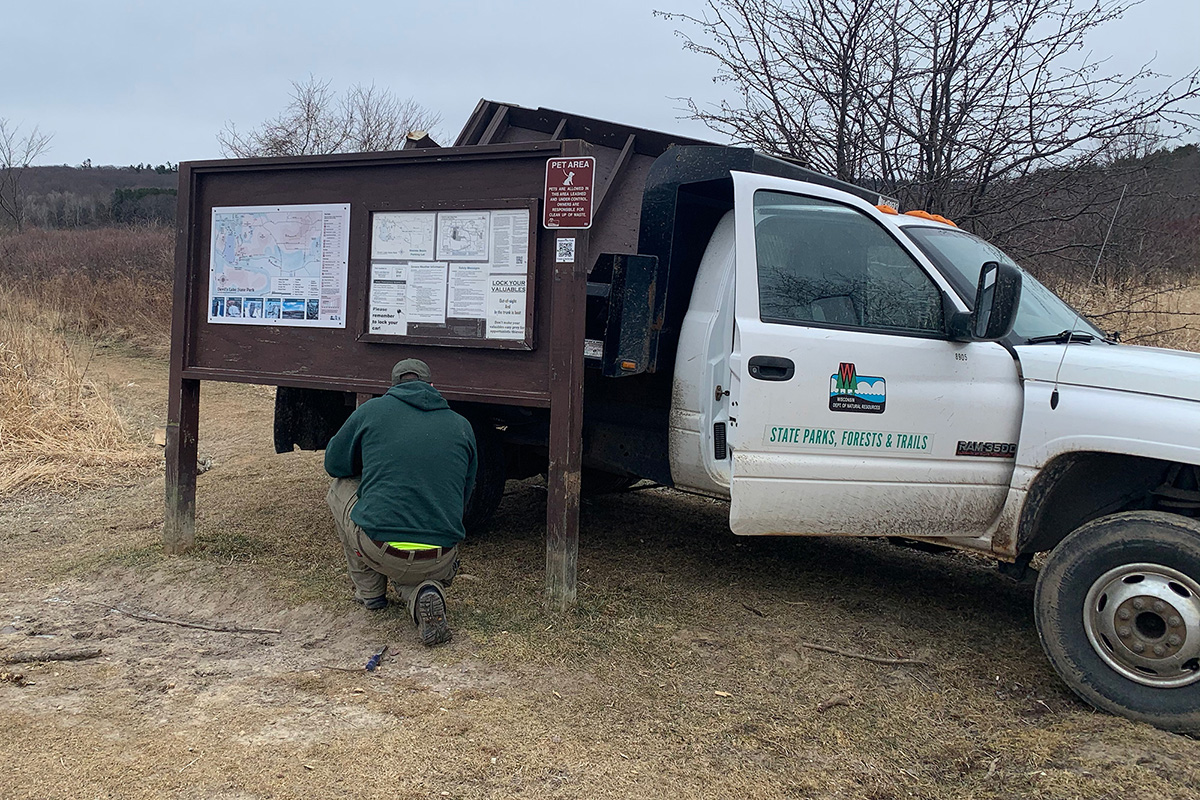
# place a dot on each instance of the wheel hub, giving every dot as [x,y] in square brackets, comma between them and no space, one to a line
[1144,621]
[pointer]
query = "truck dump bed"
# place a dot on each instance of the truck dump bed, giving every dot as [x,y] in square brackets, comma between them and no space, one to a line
[657,196]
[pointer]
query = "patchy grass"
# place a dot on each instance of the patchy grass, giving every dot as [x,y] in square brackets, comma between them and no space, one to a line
[137,556]
[683,672]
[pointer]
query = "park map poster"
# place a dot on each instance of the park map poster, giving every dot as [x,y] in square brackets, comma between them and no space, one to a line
[279,265]
[450,274]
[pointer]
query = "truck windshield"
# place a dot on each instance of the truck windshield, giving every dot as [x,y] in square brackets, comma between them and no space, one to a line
[1041,315]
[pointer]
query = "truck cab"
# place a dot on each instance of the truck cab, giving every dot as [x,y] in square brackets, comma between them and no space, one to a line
[848,394]
[831,379]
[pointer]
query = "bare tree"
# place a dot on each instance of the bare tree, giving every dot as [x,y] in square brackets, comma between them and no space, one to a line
[317,120]
[985,111]
[16,154]
[801,77]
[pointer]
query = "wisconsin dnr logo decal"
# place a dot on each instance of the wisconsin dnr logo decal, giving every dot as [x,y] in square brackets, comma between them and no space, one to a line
[862,394]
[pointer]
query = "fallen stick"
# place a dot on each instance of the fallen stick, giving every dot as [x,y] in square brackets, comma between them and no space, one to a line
[29,656]
[319,667]
[200,625]
[833,702]
[863,656]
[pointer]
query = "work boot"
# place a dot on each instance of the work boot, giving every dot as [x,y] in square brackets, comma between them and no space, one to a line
[432,627]
[372,603]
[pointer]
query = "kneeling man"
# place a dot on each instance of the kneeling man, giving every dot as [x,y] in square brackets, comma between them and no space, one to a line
[403,467]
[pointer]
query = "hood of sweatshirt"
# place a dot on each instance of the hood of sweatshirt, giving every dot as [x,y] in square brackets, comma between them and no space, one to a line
[418,394]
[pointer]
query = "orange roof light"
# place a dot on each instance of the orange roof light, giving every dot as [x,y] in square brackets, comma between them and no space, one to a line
[886,209]
[926,215]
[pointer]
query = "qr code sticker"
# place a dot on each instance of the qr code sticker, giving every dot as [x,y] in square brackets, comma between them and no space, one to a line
[565,252]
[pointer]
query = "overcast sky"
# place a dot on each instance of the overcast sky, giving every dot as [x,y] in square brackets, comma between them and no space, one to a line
[132,82]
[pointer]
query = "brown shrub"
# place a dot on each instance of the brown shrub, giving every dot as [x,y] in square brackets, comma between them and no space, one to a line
[107,282]
[1151,313]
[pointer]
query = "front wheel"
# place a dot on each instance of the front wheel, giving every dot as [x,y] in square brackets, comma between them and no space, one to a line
[1118,613]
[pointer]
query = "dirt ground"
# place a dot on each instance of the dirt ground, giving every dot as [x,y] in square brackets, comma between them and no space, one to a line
[684,671]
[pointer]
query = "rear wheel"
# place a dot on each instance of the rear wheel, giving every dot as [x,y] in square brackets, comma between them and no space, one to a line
[598,481]
[1118,613]
[490,474]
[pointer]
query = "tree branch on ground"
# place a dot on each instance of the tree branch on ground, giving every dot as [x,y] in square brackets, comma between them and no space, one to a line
[32,656]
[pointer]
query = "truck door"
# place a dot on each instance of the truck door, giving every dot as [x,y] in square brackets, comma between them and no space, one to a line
[852,411]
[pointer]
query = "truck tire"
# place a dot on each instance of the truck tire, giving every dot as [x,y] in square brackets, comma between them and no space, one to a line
[490,473]
[1118,613]
[595,482]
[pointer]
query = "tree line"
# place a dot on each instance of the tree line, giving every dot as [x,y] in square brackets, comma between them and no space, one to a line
[140,206]
[77,197]
[89,197]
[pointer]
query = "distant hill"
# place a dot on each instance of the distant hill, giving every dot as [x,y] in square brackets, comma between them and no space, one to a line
[86,196]
[97,180]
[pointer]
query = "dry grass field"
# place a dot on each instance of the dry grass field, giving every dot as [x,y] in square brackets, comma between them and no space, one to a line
[697,664]
[65,296]
[111,283]
[59,427]
[1159,316]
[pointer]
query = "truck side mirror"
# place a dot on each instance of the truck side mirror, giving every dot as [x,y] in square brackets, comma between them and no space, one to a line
[997,296]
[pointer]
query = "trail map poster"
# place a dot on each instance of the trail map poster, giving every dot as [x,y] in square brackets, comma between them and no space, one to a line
[449,274]
[279,265]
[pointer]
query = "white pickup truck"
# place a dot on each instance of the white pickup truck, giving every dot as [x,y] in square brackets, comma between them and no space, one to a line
[867,388]
[761,333]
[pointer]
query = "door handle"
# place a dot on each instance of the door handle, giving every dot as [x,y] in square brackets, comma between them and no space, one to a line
[772,368]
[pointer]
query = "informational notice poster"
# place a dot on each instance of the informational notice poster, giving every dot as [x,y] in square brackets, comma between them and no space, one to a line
[427,293]
[506,307]
[389,284]
[467,297]
[403,236]
[450,274]
[279,265]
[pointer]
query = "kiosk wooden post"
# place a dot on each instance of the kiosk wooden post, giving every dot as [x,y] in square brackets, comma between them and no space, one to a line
[183,404]
[566,428]
[563,475]
[183,422]
[566,425]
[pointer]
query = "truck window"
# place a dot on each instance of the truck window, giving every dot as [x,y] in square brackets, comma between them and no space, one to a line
[959,255]
[825,263]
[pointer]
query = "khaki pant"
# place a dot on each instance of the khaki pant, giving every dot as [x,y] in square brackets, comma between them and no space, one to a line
[370,566]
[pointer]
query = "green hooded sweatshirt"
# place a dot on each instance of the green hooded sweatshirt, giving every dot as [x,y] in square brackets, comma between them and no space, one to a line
[417,462]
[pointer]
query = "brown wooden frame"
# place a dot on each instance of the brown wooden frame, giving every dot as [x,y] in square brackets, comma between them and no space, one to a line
[549,375]
[501,204]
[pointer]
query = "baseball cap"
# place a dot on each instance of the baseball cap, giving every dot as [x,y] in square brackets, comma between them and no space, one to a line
[414,365]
